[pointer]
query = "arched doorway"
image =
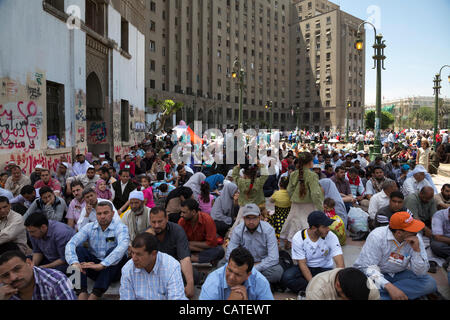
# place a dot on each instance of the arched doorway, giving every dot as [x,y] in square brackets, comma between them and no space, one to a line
[96,120]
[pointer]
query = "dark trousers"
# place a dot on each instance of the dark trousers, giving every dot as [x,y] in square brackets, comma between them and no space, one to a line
[102,278]
[174,217]
[222,228]
[211,254]
[62,268]
[9,246]
[440,249]
[294,280]
[19,208]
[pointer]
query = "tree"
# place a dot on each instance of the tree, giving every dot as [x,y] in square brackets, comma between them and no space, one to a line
[167,108]
[386,120]
[422,118]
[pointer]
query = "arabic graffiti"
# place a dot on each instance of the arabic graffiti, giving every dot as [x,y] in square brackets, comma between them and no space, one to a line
[97,133]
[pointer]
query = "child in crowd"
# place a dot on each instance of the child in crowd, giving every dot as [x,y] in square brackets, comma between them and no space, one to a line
[3,178]
[161,192]
[148,191]
[205,198]
[102,190]
[282,202]
[338,227]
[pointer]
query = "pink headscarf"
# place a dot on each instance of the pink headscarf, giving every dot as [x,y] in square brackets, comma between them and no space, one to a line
[102,194]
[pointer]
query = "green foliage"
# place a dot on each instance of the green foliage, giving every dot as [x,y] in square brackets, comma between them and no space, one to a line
[166,108]
[422,118]
[387,119]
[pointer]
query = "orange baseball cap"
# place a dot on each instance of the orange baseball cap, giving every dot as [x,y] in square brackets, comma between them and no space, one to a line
[404,221]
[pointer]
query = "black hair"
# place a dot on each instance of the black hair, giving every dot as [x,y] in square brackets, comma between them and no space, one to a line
[353,283]
[156,210]
[45,190]
[329,202]
[146,178]
[180,167]
[304,158]
[242,256]
[353,170]
[447,185]
[4,199]
[75,183]
[105,204]
[397,194]
[104,170]
[339,168]
[123,170]
[87,191]
[284,182]
[186,192]
[145,240]
[37,219]
[192,204]
[377,168]
[8,255]
[328,166]
[204,189]
[163,187]
[28,189]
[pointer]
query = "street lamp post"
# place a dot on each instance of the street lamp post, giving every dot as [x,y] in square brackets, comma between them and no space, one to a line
[269,106]
[437,87]
[349,104]
[298,117]
[379,58]
[239,73]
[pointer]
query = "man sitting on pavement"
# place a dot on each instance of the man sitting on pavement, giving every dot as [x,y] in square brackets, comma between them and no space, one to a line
[89,179]
[137,219]
[314,249]
[380,200]
[108,241]
[396,204]
[23,201]
[440,243]
[21,280]
[443,198]
[48,240]
[416,181]
[423,206]
[342,284]
[259,238]
[237,280]
[16,181]
[173,240]
[13,235]
[375,184]
[80,166]
[343,187]
[88,213]
[76,205]
[150,274]
[48,181]
[394,257]
[54,207]
[201,232]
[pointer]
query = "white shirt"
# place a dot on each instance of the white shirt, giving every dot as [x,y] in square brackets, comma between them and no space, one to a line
[378,201]
[412,186]
[317,254]
[80,168]
[82,221]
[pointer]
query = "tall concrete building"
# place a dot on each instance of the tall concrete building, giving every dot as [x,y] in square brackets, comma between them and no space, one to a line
[297,54]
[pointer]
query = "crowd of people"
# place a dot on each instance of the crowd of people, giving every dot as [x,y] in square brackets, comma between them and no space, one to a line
[277,224]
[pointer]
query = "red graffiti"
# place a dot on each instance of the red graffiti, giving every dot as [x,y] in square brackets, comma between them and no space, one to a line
[17,131]
[118,150]
[29,162]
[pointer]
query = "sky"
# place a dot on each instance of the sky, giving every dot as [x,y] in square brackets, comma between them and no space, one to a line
[418,45]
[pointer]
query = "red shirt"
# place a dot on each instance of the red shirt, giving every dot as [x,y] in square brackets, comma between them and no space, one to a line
[53,183]
[204,229]
[284,166]
[132,167]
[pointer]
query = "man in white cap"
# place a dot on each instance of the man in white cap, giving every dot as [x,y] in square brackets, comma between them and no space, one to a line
[62,174]
[137,218]
[36,175]
[415,181]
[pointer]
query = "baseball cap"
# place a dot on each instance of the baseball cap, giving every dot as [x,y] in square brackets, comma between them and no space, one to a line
[319,218]
[404,221]
[251,209]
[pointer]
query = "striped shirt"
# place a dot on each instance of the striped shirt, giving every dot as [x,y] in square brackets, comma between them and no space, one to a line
[50,284]
[164,282]
[115,236]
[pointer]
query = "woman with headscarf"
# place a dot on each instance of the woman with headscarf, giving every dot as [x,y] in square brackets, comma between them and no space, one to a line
[225,208]
[194,183]
[306,197]
[214,181]
[331,191]
[173,202]
[416,180]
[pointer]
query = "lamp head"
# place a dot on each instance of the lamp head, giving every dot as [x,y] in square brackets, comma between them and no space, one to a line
[234,75]
[359,44]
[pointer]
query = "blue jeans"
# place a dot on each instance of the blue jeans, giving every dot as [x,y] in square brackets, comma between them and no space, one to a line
[102,278]
[293,278]
[211,254]
[412,285]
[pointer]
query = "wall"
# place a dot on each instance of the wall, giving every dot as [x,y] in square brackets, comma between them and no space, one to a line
[41,49]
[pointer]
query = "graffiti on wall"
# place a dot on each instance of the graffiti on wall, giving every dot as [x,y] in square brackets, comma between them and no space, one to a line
[20,126]
[29,161]
[80,118]
[97,133]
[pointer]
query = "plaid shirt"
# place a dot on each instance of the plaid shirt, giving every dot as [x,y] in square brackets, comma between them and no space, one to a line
[50,284]
[164,282]
[115,236]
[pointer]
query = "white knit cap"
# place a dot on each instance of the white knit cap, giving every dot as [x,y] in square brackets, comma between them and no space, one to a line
[136,195]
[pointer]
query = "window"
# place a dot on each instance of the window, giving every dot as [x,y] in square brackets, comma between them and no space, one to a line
[124,35]
[57,4]
[152,6]
[55,112]
[94,16]
[153,47]
[124,120]
[152,65]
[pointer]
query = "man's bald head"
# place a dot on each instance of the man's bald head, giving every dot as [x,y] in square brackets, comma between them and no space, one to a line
[426,194]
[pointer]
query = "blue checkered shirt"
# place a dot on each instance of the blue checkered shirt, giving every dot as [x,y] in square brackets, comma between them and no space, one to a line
[50,284]
[114,237]
[164,282]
